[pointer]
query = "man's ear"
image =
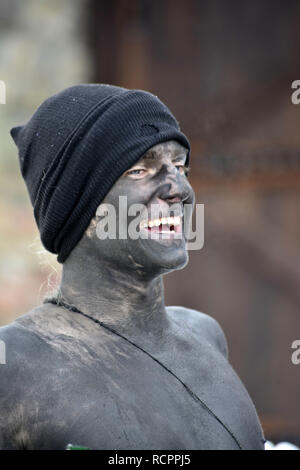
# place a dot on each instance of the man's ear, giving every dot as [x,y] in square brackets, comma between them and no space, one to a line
[14,132]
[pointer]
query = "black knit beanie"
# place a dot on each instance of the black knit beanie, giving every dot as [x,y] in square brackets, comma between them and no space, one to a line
[75,147]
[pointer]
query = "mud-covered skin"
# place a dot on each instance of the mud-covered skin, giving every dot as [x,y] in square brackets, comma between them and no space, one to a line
[123,279]
[70,380]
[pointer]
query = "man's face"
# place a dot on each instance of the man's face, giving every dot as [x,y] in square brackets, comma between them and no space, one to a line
[158,182]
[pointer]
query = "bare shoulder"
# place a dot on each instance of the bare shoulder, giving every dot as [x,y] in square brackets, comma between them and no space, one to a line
[24,339]
[201,323]
[47,321]
[18,339]
[21,351]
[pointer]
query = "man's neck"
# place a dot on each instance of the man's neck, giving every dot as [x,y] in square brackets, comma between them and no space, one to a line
[129,302]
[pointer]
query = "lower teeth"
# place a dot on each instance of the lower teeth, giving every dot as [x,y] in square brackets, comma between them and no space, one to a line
[171,229]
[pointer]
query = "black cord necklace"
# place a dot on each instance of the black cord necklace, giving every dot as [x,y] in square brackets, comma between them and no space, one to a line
[59,302]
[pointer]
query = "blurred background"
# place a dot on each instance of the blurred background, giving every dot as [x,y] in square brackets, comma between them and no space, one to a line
[225,69]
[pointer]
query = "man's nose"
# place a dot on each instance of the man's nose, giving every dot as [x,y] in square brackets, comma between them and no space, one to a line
[174,186]
[170,171]
[172,194]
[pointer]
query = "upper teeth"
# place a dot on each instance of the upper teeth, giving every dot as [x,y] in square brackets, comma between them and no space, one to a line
[163,220]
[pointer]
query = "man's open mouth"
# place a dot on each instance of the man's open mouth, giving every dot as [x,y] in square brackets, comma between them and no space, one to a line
[162,225]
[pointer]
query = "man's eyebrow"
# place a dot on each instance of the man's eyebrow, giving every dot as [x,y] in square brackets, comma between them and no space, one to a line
[151,154]
[179,158]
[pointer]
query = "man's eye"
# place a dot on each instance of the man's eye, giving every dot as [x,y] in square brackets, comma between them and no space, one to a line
[183,170]
[135,172]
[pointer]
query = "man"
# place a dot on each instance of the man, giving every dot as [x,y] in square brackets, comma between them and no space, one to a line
[105,364]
